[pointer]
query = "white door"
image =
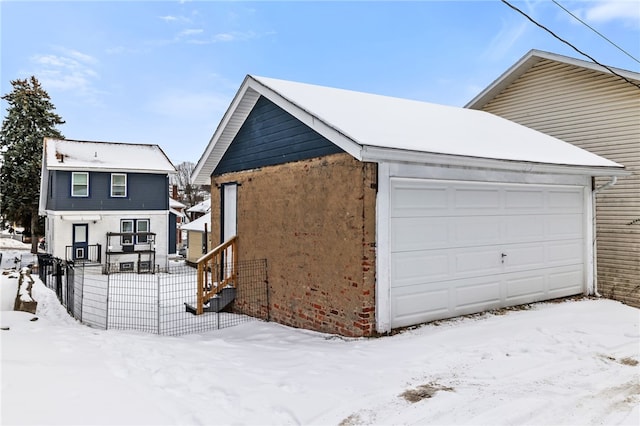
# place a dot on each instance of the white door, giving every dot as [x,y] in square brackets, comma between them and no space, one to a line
[229,223]
[229,218]
[464,247]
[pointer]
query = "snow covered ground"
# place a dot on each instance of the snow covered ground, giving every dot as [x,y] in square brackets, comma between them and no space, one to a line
[573,363]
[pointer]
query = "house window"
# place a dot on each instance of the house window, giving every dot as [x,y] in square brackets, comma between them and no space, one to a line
[134,225]
[142,225]
[126,225]
[118,185]
[126,266]
[79,184]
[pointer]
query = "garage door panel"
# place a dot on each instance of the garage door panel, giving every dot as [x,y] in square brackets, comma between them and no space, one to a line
[524,257]
[465,199]
[523,228]
[523,287]
[477,293]
[476,231]
[565,282]
[419,233]
[568,201]
[564,226]
[412,305]
[566,252]
[410,199]
[477,261]
[454,243]
[420,267]
[523,200]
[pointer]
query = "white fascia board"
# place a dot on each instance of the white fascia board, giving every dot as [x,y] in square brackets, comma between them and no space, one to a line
[239,110]
[331,133]
[233,118]
[112,170]
[527,62]
[378,155]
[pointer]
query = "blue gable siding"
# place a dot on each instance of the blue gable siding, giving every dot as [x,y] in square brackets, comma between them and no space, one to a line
[144,192]
[271,136]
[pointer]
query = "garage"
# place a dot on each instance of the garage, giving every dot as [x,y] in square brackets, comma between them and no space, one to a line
[459,247]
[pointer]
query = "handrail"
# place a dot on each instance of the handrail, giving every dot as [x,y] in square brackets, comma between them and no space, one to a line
[221,264]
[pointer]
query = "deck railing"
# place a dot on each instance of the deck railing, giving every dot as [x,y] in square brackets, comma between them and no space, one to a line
[89,253]
[217,270]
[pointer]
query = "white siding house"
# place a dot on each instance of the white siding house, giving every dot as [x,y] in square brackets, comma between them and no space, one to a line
[107,203]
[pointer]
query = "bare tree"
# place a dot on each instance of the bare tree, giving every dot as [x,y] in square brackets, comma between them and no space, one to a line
[188,193]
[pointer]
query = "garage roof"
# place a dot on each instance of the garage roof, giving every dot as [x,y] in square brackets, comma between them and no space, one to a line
[381,128]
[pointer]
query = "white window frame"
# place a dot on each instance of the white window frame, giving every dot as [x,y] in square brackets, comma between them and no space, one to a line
[74,184]
[126,240]
[118,186]
[144,239]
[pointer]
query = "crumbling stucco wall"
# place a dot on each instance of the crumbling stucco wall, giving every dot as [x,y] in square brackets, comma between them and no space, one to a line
[314,222]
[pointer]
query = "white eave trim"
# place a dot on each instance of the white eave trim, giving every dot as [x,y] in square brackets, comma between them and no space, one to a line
[382,155]
[110,170]
[81,217]
[237,113]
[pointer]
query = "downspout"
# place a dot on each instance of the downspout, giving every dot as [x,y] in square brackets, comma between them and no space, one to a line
[609,184]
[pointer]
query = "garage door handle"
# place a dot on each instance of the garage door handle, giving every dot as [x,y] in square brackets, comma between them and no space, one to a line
[503,255]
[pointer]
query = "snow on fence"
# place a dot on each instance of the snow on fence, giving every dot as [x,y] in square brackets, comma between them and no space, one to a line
[152,303]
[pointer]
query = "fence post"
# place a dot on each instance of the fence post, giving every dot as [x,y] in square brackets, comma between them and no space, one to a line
[106,320]
[158,301]
[58,274]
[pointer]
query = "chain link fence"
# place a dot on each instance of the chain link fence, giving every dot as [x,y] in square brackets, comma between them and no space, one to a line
[152,303]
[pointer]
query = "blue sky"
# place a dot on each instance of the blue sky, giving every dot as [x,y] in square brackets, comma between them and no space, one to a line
[164,72]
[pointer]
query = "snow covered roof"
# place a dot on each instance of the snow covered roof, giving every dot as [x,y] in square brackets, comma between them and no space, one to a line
[198,224]
[105,156]
[381,128]
[527,62]
[173,203]
[201,207]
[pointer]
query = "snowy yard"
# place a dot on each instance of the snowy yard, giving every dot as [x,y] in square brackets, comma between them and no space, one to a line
[557,363]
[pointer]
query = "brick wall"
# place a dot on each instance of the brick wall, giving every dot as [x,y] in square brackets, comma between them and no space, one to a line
[314,222]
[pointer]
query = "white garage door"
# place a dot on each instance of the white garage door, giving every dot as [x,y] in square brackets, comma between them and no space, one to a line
[464,247]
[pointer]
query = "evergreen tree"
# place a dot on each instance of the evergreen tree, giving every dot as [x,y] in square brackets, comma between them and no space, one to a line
[30,118]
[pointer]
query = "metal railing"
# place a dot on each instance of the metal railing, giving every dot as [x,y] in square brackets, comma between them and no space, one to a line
[151,303]
[90,253]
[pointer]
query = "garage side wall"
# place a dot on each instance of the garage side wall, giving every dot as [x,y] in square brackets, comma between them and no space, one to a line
[314,222]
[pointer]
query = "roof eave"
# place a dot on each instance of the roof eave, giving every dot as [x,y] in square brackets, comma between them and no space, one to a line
[110,169]
[381,155]
[525,63]
[239,109]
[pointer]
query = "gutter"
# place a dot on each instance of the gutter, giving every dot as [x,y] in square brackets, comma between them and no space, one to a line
[609,184]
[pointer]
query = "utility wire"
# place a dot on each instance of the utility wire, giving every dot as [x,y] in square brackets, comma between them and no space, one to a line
[569,44]
[595,31]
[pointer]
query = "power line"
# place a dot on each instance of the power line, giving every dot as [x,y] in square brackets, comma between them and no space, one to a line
[595,31]
[569,44]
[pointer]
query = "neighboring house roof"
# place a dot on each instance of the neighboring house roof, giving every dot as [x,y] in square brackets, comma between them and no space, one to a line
[176,204]
[530,60]
[62,154]
[380,128]
[176,207]
[86,156]
[201,207]
[198,224]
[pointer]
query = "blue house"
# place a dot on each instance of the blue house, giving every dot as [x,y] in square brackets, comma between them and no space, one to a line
[107,203]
